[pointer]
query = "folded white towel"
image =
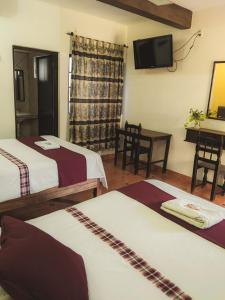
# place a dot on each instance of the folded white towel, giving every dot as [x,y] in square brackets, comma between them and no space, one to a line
[47,145]
[198,215]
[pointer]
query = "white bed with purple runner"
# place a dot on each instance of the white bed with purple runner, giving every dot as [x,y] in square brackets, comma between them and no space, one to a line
[132,252]
[16,156]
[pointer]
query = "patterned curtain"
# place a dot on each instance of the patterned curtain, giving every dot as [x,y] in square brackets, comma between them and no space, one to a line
[96,92]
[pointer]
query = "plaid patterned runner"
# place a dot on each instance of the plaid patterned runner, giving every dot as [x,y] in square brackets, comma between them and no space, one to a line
[164,284]
[24,172]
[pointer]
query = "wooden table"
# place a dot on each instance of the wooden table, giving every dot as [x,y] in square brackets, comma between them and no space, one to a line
[150,136]
[192,134]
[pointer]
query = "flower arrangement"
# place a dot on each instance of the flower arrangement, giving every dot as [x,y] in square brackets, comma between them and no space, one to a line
[195,116]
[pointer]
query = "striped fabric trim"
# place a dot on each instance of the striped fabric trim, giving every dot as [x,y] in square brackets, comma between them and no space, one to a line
[95,101]
[96,122]
[24,172]
[151,274]
[97,56]
[92,142]
[96,79]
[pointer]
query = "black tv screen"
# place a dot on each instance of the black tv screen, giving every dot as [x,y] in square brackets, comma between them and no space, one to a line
[156,52]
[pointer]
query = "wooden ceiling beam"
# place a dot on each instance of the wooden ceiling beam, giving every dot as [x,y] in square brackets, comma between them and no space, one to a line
[169,14]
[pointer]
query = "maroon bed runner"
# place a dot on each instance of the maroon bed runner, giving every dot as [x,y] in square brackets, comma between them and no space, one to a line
[154,276]
[71,165]
[153,197]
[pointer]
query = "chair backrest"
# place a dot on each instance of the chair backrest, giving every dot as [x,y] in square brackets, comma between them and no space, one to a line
[133,132]
[209,148]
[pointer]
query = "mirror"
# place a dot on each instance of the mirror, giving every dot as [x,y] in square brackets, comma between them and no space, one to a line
[19,85]
[216,105]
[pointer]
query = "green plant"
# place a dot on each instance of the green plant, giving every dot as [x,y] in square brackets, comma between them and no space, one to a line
[195,116]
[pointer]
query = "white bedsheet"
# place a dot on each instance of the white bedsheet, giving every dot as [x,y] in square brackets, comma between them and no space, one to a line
[196,265]
[42,170]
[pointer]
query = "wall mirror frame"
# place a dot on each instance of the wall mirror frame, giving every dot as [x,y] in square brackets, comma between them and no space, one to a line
[216,103]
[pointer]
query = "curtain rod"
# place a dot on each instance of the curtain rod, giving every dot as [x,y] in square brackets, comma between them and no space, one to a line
[72,34]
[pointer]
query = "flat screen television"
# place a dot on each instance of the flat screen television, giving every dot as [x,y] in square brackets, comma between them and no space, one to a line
[156,52]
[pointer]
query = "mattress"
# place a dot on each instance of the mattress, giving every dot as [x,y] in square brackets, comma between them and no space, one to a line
[40,165]
[194,264]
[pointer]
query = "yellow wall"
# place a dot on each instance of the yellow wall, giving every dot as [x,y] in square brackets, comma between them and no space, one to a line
[37,24]
[218,91]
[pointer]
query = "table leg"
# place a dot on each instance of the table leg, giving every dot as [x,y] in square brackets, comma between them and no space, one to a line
[17,129]
[166,154]
[149,160]
[136,159]
[116,147]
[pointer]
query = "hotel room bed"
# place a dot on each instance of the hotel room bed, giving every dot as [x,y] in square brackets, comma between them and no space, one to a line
[173,255]
[43,171]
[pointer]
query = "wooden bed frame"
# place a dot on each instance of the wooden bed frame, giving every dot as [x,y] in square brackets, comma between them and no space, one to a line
[49,194]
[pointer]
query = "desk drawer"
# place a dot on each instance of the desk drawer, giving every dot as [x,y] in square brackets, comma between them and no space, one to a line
[192,135]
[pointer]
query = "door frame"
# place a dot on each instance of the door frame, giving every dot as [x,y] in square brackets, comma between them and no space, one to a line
[55,56]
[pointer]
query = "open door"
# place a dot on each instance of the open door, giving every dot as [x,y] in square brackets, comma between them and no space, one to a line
[35,91]
[47,95]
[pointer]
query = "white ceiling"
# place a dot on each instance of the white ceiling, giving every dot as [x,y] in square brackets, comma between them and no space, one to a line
[160,2]
[118,15]
[99,9]
[196,5]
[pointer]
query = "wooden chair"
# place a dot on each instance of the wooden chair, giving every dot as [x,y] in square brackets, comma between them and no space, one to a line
[142,149]
[131,139]
[208,156]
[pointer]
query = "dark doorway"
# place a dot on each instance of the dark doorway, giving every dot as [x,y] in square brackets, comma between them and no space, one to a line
[35,91]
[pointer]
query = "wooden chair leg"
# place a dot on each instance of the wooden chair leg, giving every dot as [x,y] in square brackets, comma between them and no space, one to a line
[223,188]
[194,175]
[132,156]
[214,185]
[204,181]
[124,157]
[116,148]
[149,165]
[136,160]
[193,181]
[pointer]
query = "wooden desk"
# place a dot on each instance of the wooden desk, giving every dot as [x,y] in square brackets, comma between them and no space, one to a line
[192,134]
[147,135]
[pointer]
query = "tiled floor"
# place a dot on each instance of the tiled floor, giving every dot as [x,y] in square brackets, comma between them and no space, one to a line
[117,178]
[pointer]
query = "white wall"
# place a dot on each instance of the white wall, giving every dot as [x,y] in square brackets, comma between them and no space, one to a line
[158,99]
[161,100]
[37,24]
